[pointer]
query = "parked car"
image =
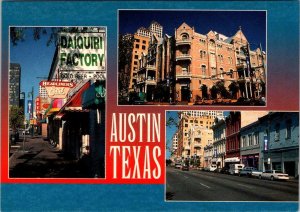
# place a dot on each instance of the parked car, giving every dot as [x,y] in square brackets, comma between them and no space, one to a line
[13,136]
[224,170]
[177,165]
[247,171]
[274,175]
[185,168]
[256,173]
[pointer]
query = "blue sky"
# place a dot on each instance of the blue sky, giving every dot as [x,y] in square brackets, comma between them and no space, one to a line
[253,23]
[35,59]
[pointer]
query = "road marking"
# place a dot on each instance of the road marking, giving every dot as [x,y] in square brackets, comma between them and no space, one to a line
[204,185]
[244,185]
[185,177]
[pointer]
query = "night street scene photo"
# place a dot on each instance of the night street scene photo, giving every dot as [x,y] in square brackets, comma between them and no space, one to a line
[169,57]
[232,156]
[57,95]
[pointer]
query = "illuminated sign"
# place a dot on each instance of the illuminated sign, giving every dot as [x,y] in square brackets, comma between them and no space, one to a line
[57,89]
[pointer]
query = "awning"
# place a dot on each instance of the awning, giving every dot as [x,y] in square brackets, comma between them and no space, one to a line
[94,95]
[54,107]
[74,102]
[234,159]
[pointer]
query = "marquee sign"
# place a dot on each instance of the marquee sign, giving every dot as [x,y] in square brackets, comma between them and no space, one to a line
[57,89]
[82,55]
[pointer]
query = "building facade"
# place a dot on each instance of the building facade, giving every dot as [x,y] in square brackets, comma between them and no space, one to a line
[14,84]
[219,142]
[280,146]
[194,134]
[250,137]
[216,66]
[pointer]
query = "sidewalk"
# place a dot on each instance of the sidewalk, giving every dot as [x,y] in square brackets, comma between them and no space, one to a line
[40,160]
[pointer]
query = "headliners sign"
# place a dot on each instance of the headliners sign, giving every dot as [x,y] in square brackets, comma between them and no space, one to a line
[82,55]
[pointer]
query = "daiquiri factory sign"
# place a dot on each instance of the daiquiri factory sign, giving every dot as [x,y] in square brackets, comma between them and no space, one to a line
[57,89]
[82,55]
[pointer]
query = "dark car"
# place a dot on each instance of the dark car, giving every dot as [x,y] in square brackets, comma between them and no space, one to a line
[185,168]
[224,170]
[13,136]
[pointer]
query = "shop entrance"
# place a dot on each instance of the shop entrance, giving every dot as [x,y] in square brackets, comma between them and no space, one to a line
[185,93]
[289,168]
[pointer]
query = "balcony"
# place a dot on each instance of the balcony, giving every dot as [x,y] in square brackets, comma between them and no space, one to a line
[183,75]
[151,67]
[241,66]
[181,57]
[187,148]
[197,145]
[150,81]
[183,42]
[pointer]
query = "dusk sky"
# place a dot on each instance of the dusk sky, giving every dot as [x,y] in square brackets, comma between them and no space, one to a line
[253,23]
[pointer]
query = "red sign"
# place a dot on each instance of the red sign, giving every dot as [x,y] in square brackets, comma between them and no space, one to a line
[57,89]
[37,105]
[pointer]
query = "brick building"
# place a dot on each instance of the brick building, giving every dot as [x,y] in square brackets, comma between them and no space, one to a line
[205,63]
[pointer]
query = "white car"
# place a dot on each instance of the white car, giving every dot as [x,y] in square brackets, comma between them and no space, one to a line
[178,166]
[274,175]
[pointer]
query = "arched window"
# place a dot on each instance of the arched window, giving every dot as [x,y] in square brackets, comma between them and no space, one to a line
[203,69]
[221,72]
[184,36]
[202,54]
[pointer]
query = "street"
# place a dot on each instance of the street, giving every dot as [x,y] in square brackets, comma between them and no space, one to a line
[39,160]
[195,185]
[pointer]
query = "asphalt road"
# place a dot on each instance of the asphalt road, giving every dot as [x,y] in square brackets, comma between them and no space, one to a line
[197,185]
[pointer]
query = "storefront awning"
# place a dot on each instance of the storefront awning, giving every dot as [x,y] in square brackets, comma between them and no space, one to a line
[234,159]
[74,102]
[54,107]
[94,95]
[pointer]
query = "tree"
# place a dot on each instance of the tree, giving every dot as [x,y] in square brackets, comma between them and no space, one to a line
[204,91]
[18,34]
[214,91]
[16,117]
[233,88]
[222,90]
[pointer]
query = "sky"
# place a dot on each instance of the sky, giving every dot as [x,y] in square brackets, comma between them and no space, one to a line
[253,23]
[35,59]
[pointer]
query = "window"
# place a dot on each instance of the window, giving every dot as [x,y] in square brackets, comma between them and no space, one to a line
[213,72]
[256,138]
[144,42]
[221,72]
[203,69]
[143,47]
[137,46]
[288,129]
[231,73]
[277,132]
[135,63]
[137,40]
[136,56]
[202,54]
[250,140]
[184,36]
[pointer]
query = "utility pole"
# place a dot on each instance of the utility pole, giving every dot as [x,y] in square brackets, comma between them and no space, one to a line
[31,115]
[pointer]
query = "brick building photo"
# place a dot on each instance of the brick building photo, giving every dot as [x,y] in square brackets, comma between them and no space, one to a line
[192,61]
